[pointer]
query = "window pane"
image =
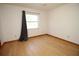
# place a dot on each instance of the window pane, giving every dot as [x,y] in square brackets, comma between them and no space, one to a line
[30,17]
[31,25]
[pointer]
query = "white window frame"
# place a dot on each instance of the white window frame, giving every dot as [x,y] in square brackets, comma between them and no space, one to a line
[33,21]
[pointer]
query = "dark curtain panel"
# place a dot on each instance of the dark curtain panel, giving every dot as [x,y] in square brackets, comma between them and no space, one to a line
[24,34]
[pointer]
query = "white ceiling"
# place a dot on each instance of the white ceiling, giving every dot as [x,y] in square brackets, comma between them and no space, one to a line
[40,6]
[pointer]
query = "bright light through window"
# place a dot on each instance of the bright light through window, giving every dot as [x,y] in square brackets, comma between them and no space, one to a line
[32,21]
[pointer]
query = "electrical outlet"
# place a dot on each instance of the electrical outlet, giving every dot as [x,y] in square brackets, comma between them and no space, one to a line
[68,36]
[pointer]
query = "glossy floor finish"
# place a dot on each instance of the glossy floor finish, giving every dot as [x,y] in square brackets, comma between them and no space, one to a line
[42,46]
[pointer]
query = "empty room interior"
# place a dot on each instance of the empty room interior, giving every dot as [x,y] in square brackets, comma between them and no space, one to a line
[39,29]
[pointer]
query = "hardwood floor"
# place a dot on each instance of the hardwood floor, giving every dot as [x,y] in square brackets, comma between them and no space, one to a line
[45,45]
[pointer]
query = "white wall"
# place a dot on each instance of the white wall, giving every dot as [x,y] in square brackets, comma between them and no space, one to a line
[64,22]
[10,21]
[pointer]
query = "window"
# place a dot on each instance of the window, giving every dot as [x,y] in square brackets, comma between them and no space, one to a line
[32,21]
